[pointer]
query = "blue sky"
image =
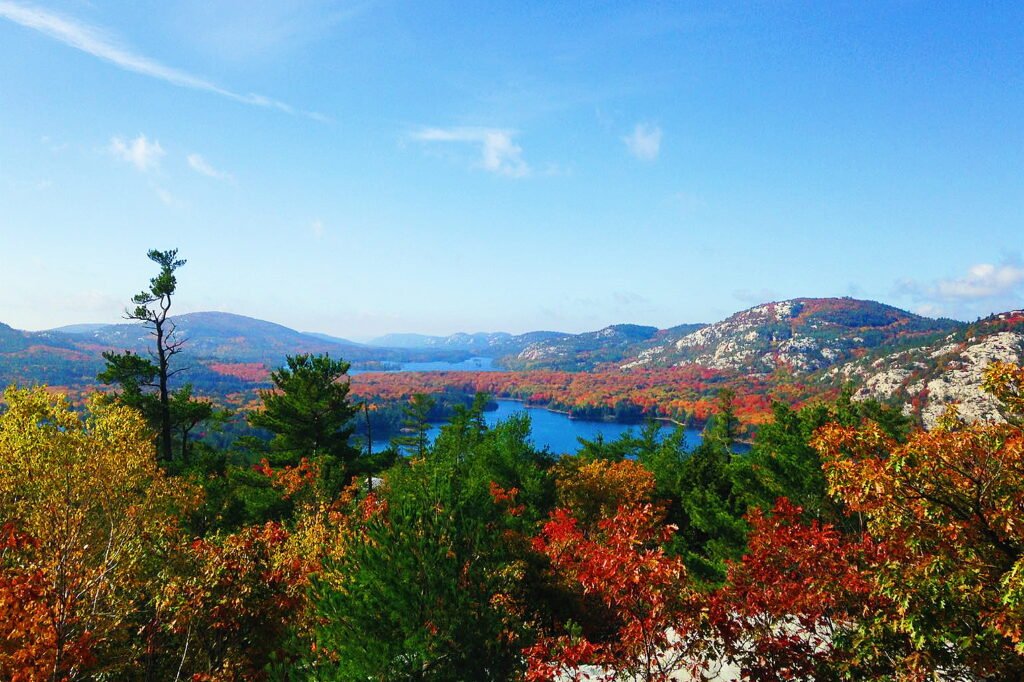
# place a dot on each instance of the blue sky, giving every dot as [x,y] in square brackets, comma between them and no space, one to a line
[366,167]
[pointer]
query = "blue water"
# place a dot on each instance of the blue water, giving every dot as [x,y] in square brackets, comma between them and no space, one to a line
[470,365]
[552,430]
[556,431]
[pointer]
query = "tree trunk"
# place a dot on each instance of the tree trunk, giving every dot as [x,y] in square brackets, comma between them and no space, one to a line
[165,401]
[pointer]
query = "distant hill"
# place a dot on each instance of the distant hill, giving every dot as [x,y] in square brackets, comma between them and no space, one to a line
[801,335]
[479,341]
[223,350]
[222,336]
[486,344]
[45,357]
[887,353]
[541,349]
[581,352]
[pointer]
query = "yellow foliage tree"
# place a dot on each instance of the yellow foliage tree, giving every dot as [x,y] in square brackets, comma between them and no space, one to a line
[595,490]
[94,510]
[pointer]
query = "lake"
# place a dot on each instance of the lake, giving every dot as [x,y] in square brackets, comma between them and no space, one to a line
[556,431]
[470,365]
[552,430]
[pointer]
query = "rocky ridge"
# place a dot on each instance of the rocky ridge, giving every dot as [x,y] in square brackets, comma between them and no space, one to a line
[949,371]
[802,335]
[588,350]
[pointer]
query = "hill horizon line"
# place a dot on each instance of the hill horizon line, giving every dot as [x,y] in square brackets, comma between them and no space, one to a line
[379,339]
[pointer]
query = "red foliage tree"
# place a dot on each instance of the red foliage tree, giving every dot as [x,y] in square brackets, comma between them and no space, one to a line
[636,593]
[30,645]
[783,606]
[235,601]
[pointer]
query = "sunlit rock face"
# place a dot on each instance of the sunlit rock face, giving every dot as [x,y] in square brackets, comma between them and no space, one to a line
[802,335]
[928,378]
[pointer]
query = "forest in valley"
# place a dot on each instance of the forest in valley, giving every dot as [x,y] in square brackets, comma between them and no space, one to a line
[846,543]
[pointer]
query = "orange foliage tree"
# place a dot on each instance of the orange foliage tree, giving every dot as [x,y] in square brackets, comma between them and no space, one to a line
[595,490]
[948,505]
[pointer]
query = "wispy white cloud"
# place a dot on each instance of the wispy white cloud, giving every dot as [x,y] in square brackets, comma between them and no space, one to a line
[498,151]
[165,196]
[140,152]
[100,44]
[644,142]
[628,299]
[985,288]
[930,310]
[317,227]
[982,281]
[54,147]
[203,167]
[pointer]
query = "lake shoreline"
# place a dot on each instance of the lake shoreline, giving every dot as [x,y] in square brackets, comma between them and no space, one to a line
[568,413]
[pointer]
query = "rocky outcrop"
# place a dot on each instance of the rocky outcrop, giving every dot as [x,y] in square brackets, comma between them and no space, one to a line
[925,380]
[954,377]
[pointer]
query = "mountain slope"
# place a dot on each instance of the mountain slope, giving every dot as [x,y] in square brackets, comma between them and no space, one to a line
[222,336]
[582,352]
[45,357]
[927,378]
[801,335]
[220,348]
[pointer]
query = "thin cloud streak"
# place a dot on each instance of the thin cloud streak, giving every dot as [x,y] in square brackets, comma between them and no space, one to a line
[982,281]
[203,167]
[498,152]
[95,42]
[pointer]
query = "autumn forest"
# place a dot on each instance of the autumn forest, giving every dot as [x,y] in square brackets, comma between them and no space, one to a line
[150,529]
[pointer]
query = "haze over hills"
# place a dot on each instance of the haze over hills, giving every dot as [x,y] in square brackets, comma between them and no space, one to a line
[888,353]
[334,339]
[460,340]
[84,328]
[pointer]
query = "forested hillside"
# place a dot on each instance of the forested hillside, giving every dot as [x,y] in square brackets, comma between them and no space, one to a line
[926,379]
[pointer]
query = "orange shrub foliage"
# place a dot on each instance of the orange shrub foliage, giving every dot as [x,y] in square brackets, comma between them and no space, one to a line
[235,600]
[247,371]
[949,503]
